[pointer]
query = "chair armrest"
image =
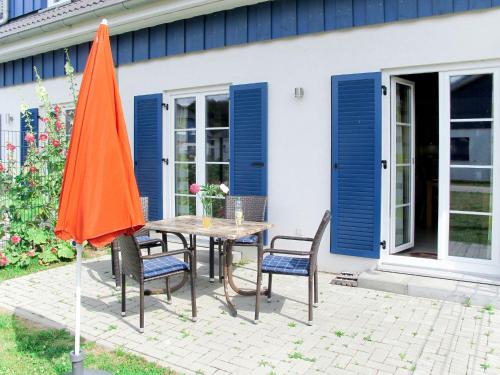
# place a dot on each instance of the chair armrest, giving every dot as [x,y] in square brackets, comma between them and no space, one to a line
[290,238]
[291,252]
[164,254]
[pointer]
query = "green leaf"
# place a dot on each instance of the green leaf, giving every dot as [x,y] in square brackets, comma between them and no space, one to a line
[48,256]
[65,251]
[37,235]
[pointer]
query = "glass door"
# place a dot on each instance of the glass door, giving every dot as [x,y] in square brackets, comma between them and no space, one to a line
[403,163]
[200,148]
[468,131]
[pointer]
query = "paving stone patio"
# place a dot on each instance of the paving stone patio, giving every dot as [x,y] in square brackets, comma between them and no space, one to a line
[355,330]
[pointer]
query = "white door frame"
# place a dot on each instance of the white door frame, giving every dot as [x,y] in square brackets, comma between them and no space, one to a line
[440,264]
[169,139]
[394,81]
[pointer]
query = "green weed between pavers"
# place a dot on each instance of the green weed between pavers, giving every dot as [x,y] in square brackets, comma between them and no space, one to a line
[28,350]
[298,355]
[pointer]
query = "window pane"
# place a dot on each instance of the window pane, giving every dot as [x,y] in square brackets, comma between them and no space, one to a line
[217,145]
[471,143]
[471,96]
[218,174]
[403,185]
[470,189]
[185,205]
[185,145]
[403,112]
[185,175]
[185,113]
[217,111]
[402,225]
[470,236]
[403,144]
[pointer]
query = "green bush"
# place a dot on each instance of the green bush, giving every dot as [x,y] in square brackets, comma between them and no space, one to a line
[29,194]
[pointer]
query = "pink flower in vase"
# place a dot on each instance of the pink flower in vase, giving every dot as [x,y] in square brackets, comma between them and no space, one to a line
[194,188]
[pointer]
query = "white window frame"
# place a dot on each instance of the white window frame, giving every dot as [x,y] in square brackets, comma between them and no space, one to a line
[169,141]
[55,3]
[448,264]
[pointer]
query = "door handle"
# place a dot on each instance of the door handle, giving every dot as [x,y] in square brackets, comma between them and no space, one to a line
[257,164]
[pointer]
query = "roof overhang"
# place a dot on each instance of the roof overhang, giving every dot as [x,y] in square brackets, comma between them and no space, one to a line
[122,15]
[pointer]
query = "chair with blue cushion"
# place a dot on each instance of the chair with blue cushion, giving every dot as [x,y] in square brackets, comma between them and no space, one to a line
[292,262]
[254,209]
[144,268]
[143,237]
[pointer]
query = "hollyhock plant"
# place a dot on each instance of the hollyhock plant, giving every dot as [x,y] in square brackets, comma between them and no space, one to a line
[29,213]
[29,137]
[2,168]
[15,239]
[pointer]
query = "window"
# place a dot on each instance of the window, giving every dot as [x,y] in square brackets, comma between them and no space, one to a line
[52,3]
[460,148]
[200,147]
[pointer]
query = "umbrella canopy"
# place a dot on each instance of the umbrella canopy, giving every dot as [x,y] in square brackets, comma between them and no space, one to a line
[99,198]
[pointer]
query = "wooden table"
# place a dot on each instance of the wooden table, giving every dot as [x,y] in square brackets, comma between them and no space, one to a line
[220,228]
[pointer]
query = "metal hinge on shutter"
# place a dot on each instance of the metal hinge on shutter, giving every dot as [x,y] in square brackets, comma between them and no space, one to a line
[383,244]
[384,90]
[165,105]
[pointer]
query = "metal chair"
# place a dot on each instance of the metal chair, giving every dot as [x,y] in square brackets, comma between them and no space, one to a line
[144,268]
[254,209]
[292,262]
[143,238]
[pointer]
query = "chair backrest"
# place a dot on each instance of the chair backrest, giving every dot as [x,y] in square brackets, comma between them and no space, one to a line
[131,257]
[141,232]
[254,207]
[318,236]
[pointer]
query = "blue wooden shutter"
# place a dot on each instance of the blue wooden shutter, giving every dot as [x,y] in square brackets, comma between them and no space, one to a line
[356,164]
[34,125]
[248,139]
[148,151]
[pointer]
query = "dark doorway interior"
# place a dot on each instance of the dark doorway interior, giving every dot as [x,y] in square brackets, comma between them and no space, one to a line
[426,164]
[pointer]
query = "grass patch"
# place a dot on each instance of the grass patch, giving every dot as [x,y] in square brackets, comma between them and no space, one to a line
[13,272]
[298,355]
[29,349]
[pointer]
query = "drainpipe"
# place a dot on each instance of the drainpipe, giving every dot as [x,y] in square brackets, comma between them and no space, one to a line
[5,12]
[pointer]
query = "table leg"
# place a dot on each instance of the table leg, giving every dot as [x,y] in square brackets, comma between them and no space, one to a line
[259,277]
[227,257]
[185,275]
[211,259]
[241,291]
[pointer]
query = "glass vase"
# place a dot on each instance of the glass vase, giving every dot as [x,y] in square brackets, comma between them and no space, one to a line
[207,214]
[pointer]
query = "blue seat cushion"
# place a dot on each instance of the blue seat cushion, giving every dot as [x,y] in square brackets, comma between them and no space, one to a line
[162,266]
[251,239]
[142,239]
[284,264]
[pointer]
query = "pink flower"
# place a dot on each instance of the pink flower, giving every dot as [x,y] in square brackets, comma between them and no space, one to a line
[29,137]
[33,169]
[45,119]
[2,168]
[57,109]
[3,260]
[10,147]
[15,239]
[59,125]
[194,188]
[54,250]
[43,137]
[56,143]
[31,253]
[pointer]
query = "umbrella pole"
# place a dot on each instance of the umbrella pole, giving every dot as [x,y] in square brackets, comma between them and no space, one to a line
[77,356]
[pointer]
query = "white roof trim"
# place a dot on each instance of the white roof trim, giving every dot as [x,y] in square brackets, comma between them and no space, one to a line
[124,16]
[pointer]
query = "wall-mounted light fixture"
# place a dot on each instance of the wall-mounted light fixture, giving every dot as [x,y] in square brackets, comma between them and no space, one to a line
[299,92]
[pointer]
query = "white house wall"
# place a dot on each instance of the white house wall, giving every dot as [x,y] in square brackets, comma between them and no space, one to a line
[299,129]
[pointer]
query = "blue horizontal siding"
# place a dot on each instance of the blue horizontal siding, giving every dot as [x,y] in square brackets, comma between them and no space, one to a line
[247,24]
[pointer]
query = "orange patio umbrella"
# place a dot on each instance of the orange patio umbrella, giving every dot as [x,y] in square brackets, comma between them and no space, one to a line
[99,198]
